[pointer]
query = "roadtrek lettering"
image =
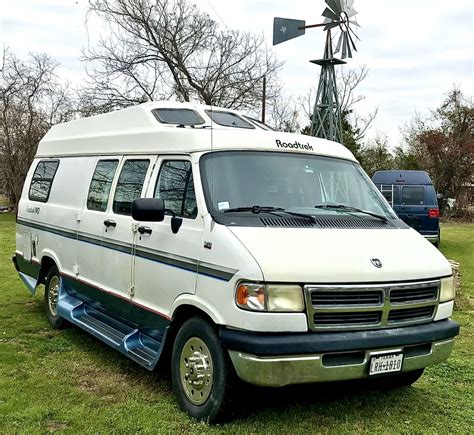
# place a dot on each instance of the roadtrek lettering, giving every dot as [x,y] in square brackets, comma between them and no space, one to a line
[296,144]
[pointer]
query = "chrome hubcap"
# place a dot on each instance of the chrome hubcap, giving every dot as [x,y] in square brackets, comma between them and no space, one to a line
[53,292]
[196,370]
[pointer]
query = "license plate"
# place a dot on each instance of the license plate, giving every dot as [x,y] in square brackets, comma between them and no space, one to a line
[386,364]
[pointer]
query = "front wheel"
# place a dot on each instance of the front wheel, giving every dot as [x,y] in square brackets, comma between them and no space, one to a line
[200,371]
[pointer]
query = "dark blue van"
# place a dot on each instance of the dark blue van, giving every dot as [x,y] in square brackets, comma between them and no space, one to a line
[413,197]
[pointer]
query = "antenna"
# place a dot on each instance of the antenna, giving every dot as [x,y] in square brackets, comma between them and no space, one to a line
[339,18]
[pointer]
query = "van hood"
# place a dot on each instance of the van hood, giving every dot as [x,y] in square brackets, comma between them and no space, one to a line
[309,255]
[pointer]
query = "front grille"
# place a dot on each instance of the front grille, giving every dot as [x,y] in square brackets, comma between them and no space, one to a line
[331,298]
[401,296]
[356,318]
[410,314]
[371,306]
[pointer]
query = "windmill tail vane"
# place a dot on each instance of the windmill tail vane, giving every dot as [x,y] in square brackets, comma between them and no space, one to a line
[339,19]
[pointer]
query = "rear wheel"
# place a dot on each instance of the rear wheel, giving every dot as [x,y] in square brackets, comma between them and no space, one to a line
[200,371]
[51,295]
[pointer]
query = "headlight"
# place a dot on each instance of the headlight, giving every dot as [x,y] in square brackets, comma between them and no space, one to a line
[285,298]
[276,298]
[447,289]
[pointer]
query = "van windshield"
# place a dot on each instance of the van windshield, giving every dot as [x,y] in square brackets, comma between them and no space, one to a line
[234,181]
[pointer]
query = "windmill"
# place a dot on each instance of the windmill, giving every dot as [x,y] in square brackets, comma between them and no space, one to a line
[338,19]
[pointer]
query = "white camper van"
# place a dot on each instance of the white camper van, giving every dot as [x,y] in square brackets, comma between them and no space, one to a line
[191,231]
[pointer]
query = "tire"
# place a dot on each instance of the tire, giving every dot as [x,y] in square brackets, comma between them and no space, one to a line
[51,294]
[399,380]
[202,397]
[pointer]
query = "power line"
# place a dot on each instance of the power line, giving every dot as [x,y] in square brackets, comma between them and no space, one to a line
[218,16]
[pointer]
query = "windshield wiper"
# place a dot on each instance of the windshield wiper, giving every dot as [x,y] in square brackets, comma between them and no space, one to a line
[349,208]
[269,209]
[254,209]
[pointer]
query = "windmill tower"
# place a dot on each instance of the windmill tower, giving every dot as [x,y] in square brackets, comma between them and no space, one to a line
[339,18]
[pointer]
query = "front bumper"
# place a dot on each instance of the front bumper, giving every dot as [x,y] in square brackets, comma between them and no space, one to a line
[277,360]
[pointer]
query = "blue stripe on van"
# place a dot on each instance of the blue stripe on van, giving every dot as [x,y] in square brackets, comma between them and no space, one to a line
[183,263]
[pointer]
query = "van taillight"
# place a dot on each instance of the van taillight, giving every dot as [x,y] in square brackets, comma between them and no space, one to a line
[433,212]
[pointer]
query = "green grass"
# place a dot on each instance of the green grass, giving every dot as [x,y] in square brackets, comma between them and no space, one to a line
[68,381]
[3,200]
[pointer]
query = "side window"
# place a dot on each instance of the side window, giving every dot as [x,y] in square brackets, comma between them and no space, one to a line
[176,187]
[99,190]
[129,185]
[42,180]
[413,195]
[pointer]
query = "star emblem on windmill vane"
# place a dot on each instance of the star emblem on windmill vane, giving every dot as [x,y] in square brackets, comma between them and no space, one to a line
[283,29]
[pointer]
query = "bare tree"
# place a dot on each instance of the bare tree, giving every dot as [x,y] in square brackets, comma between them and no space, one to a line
[31,100]
[159,49]
[347,82]
[284,115]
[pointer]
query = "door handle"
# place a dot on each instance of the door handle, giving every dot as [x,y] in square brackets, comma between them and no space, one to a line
[110,223]
[145,230]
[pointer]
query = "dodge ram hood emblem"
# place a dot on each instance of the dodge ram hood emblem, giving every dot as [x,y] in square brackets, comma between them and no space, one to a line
[376,262]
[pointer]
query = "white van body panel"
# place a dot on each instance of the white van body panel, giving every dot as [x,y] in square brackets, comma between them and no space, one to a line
[342,255]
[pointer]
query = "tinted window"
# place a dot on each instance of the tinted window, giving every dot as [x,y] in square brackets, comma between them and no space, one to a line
[413,195]
[42,180]
[175,186]
[228,119]
[99,190]
[431,198]
[178,116]
[129,185]
[390,192]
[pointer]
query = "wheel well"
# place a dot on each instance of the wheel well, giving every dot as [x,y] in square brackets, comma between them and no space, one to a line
[185,312]
[46,264]
[182,313]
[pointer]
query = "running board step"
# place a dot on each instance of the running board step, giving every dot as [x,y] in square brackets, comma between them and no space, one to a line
[129,341]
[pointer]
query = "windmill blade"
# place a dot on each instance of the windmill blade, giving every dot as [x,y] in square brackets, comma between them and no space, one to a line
[336,6]
[354,22]
[350,12]
[344,48]
[354,33]
[349,52]
[352,41]
[331,25]
[349,3]
[330,15]
[339,42]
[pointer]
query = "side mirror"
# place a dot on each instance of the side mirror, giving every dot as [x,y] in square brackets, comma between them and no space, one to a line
[148,209]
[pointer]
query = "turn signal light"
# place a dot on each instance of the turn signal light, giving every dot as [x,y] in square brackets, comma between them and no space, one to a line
[433,212]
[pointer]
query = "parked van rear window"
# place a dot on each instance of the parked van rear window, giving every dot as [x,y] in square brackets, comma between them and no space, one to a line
[129,185]
[99,190]
[413,195]
[176,187]
[42,180]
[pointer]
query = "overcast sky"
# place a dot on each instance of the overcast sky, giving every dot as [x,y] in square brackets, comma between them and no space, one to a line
[416,50]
